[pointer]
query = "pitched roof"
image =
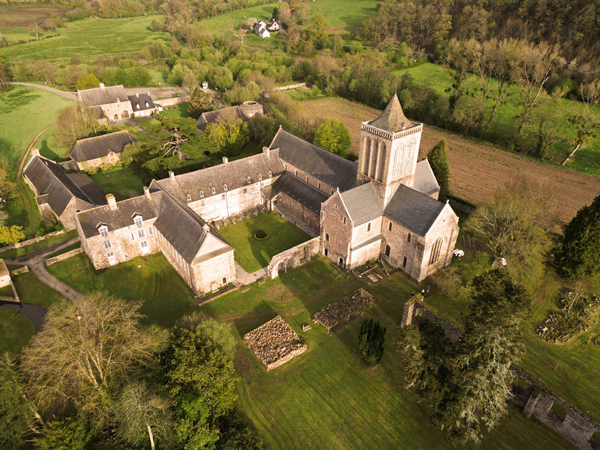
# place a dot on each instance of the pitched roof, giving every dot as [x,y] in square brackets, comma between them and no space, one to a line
[49,178]
[414,210]
[182,227]
[234,175]
[121,217]
[99,146]
[213,116]
[144,101]
[362,203]
[317,162]
[305,194]
[425,181]
[392,118]
[103,95]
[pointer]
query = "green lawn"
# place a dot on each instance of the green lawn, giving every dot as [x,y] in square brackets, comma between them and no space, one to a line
[75,246]
[49,147]
[180,110]
[31,290]
[151,280]
[586,160]
[122,182]
[15,331]
[326,398]
[42,244]
[89,38]
[251,253]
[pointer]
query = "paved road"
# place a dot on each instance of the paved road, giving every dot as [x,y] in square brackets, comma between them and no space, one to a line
[36,263]
[65,94]
[35,313]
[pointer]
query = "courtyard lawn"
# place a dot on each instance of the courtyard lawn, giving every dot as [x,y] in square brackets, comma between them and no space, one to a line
[253,254]
[180,110]
[31,290]
[151,280]
[326,397]
[122,182]
[15,331]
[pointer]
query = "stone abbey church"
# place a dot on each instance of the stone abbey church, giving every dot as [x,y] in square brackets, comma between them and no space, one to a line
[385,205]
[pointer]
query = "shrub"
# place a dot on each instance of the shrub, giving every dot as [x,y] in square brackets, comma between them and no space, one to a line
[371,339]
[558,328]
[261,234]
[68,433]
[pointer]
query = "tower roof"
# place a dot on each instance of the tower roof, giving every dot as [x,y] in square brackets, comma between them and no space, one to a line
[392,118]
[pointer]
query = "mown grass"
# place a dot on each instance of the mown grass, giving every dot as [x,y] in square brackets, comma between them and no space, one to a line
[587,158]
[15,252]
[49,146]
[122,182]
[326,397]
[75,246]
[31,290]
[16,331]
[180,110]
[150,280]
[253,254]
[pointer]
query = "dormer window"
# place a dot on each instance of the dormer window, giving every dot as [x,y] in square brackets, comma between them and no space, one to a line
[201,194]
[189,198]
[147,105]
[138,106]
[213,190]
[249,180]
[259,177]
[103,230]
[224,187]
[269,173]
[138,220]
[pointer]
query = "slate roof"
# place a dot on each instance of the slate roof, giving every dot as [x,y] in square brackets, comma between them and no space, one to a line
[49,178]
[144,101]
[362,204]
[233,174]
[317,162]
[414,210]
[213,116]
[103,95]
[99,146]
[121,217]
[392,118]
[425,181]
[305,194]
[182,227]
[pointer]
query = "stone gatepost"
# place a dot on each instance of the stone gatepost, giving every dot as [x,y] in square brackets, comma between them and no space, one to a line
[412,304]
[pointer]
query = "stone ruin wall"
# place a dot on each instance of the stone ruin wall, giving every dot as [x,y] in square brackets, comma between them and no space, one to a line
[294,257]
[577,427]
[291,355]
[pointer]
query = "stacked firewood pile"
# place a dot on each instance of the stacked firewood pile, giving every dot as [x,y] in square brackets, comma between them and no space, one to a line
[343,310]
[274,343]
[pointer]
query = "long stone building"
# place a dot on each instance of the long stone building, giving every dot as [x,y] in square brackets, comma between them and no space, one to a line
[385,205]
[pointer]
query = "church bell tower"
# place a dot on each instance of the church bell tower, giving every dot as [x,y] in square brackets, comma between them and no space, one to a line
[389,147]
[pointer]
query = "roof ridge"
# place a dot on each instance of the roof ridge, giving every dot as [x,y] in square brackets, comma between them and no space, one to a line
[102,135]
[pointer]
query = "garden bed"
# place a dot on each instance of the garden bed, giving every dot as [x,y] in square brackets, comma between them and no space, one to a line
[345,309]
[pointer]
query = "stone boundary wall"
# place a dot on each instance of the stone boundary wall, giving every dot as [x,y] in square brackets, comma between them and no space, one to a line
[294,257]
[20,270]
[35,240]
[172,101]
[64,256]
[576,428]
[15,298]
[291,355]
[291,86]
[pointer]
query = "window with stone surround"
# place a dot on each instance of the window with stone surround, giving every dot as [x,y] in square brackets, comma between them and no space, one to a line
[189,198]
[103,231]
[138,221]
[327,237]
[150,231]
[224,187]
[369,227]
[223,197]
[408,238]
[141,233]
[213,190]
[201,194]
[133,236]
[107,244]
[390,226]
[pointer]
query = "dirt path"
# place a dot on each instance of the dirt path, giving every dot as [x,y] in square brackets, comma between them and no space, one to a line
[65,94]
[478,169]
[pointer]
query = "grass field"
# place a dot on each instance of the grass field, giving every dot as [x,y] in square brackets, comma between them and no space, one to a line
[122,182]
[17,22]
[89,38]
[49,146]
[16,331]
[326,398]
[180,110]
[151,280]
[12,253]
[31,290]
[253,254]
[478,169]
[586,160]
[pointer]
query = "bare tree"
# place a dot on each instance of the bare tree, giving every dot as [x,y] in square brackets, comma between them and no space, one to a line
[173,146]
[585,121]
[71,125]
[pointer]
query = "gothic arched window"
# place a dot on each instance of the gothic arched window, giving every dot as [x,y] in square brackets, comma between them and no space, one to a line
[435,251]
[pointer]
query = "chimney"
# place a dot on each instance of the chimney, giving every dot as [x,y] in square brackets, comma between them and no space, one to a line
[206,228]
[137,94]
[112,203]
[267,151]
[147,192]
[148,93]
[172,176]
[225,160]
[35,152]
[101,85]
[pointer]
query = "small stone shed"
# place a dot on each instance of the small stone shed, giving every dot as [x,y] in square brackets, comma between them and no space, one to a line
[274,343]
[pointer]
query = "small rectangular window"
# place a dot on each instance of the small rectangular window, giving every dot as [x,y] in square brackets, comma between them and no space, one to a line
[326,252]
[390,226]
[296,173]
[150,231]
[307,180]
[245,190]
[327,237]
[369,226]
[103,231]
[132,236]
[319,185]
[223,197]
[201,194]
[107,244]
[408,237]
[344,220]
[141,233]
[138,221]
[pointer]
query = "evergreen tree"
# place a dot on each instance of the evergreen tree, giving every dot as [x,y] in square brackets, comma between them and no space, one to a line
[199,103]
[578,252]
[479,386]
[371,339]
[438,159]
[333,136]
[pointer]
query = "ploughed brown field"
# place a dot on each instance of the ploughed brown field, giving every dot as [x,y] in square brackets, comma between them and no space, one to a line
[23,16]
[476,169]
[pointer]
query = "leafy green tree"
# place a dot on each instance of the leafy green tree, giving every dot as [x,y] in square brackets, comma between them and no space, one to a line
[199,103]
[200,380]
[131,152]
[144,417]
[371,339]
[438,160]
[235,435]
[11,235]
[71,125]
[219,333]
[480,384]
[578,253]
[87,81]
[67,433]
[411,355]
[318,29]
[333,136]
[229,133]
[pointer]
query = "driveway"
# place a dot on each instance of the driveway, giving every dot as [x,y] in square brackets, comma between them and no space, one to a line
[65,94]
[35,313]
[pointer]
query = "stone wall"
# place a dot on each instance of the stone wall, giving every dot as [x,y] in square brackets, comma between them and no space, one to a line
[403,254]
[213,273]
[172,101]
[32,241]
[308,217]
[307,178]
[336,230]
[294,257]
[63,256]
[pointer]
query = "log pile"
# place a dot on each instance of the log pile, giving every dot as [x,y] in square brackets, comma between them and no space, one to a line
[274,343]
[343,310]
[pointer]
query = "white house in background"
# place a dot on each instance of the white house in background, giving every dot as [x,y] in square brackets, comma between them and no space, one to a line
[274,26]
[142,104]
[260,28]
[205,85]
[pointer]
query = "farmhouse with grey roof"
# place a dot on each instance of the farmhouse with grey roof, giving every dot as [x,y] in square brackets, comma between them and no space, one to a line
[383,206]
[142,104]
[99,150]
[112,100]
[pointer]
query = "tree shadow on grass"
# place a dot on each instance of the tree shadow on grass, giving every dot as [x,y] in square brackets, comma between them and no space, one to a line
[259,315]
[258,252]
